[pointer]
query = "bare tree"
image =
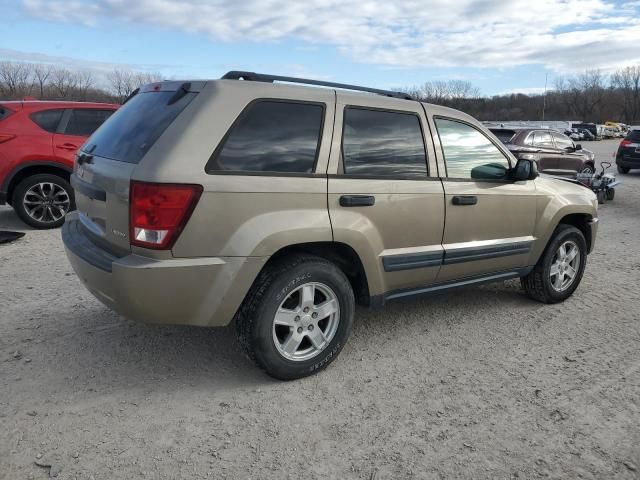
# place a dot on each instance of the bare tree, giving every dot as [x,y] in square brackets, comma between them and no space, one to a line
[444,92]
[63,82]
[41,74]
[15,79]
[121,83]
[583,94]
[627,82]
[84,82]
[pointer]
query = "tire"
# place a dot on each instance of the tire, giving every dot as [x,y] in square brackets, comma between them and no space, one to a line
[54,189]
[611,194]
[601,197]
[280,288]
[623,169]
[538,284]
[588,169]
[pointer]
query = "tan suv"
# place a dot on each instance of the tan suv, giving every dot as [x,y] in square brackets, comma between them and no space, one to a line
[278,206]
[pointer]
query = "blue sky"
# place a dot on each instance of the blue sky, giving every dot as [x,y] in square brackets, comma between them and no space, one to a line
[499,46]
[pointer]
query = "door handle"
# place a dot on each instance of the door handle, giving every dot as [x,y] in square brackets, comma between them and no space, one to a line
[68,146]
[465,200]
[357,200]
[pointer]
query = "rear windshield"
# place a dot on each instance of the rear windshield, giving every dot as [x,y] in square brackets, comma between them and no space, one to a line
[130,132]
[633,135]
[503,134]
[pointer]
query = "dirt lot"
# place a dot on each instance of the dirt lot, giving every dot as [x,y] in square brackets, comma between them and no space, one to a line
[480,383]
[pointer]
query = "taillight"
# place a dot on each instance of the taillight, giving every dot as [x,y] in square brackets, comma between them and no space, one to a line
[5,137]
[159,211]
[624,143]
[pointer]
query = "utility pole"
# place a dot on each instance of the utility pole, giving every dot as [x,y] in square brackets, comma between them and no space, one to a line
[544,97]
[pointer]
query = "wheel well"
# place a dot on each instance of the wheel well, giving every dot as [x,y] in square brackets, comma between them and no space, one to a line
[340,254]
[581,222]
[34,170]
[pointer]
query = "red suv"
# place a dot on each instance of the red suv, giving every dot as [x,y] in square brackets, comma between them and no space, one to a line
[38,143]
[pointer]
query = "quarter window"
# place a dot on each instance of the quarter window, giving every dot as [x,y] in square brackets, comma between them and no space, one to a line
[380,143]
[83,122]
[468,153]
[48,119]
[272,136]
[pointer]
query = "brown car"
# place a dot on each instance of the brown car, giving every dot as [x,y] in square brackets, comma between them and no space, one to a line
[554,152]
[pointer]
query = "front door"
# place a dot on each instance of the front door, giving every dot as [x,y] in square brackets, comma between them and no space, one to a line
[385,197]
[489,219]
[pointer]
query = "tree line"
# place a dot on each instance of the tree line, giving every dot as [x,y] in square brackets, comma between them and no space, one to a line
[48,82]
[591,96]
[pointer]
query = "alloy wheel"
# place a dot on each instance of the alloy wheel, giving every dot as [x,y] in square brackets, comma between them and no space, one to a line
[46,202]
[565,266]
[306,321]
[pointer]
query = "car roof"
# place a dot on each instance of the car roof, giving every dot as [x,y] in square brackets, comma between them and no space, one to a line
[41,104]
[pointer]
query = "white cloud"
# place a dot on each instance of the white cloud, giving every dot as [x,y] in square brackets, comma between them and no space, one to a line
[564,35]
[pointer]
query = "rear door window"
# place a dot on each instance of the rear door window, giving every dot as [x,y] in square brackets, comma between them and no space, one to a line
[542,139]
[84,121]
[271,136]
[48,119]
[383,144]
[134,128]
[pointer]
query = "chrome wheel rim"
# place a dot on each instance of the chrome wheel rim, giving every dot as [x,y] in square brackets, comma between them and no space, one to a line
[587,171]
[564,266]
[306,321]
[46,202]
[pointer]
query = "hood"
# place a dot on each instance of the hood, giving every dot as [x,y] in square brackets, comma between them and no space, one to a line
[570,188]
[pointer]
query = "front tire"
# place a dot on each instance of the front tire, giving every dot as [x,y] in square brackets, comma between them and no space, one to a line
[560,268]
[588,169]
[623,169]
[41,201]
[297,317]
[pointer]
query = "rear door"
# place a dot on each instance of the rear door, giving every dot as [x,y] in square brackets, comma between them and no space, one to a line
[109,157]
[385,197]
[77,124]
[490,219]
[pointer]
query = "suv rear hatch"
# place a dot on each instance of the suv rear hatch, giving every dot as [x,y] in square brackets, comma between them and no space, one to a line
[106,162]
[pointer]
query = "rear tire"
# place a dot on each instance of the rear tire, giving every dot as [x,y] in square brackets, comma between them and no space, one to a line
[41,201]
[601,196]
[280,324]
[623,169]
[549,280]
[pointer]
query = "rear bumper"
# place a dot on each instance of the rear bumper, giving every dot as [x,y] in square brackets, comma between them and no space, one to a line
[628,161]
[188,291]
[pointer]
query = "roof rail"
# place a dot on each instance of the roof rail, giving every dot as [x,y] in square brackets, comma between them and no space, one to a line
[262,77]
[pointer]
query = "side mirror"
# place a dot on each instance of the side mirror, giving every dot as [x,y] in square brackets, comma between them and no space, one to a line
[524,170]
[577,147]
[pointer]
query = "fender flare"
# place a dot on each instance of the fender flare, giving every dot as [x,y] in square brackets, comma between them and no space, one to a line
[39,163]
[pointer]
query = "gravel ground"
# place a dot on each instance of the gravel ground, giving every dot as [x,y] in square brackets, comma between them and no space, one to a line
[479,383]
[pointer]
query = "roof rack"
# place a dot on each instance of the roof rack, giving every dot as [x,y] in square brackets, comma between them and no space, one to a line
[262,77]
